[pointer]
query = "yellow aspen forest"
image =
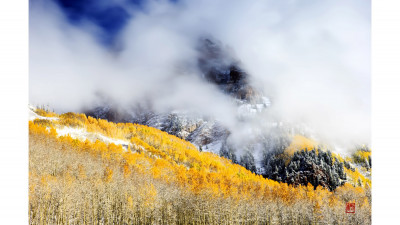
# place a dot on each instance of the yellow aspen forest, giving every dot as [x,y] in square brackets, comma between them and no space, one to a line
[199,112]
[157,178]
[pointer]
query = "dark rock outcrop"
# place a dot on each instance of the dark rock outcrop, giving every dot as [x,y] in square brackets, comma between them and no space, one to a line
[219,66]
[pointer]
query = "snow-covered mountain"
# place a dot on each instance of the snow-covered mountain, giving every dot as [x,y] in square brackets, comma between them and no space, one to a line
[218,67]
[263,152]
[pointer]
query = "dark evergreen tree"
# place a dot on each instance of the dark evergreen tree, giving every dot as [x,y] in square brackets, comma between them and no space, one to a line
[369,161]
[247,161]
[228,152]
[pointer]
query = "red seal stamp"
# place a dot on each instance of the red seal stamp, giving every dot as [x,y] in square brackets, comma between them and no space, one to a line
[350,207]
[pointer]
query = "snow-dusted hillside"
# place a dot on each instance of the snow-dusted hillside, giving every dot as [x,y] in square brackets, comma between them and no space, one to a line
[77,133]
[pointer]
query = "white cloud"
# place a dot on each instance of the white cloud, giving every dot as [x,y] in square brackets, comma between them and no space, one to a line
[311,57]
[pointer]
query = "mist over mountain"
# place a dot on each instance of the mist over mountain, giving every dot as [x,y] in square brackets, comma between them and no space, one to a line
[215,73]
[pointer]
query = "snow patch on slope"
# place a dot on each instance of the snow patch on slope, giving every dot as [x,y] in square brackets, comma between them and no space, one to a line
[82,134]
[33,115]
[78,133]
[213,147]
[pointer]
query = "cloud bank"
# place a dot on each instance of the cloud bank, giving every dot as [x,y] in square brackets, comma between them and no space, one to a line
[311,58]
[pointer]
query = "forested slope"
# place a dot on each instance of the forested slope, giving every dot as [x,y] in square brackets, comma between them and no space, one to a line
[158,178]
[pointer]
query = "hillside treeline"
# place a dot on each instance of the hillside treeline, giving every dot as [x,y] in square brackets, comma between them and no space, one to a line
[161,179]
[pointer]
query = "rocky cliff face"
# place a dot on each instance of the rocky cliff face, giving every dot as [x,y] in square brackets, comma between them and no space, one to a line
[221,68]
